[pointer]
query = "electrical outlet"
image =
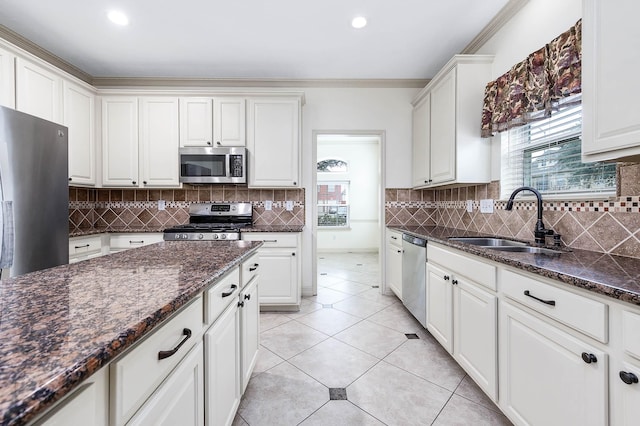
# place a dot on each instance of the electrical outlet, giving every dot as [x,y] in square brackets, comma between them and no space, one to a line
[162,204]
[486,206]
[268,205]
[289,205]
[470,206]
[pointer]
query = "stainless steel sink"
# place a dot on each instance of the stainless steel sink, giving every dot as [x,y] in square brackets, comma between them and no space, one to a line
[501,244]
[488,242]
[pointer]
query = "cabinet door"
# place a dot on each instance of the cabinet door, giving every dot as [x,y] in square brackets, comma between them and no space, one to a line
[196,122]
[159,141]
[7,79]
[394,269]
[79,117]
[440,305]
[38,91]
[120,141]
[279,276]
[180,399]
[475,331]
[229,121]
[611,124]
[625,397]
[543,377]
[421,120]
[443,130]
[249,329]
[273,141]
[87,405]
[222,354]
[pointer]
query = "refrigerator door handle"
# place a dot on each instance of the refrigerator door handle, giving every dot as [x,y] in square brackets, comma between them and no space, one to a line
[7,240]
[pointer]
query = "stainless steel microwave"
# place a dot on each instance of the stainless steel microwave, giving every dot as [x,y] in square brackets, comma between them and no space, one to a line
[213,165]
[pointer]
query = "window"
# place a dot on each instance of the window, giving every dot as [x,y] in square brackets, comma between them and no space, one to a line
[546,155]
[333,204]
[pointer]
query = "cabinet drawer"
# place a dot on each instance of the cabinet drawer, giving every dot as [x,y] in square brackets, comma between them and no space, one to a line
[630,333]
[289,239]
[250,268]
[127,241]
[578,312]
[218,297]
[85,245]
[476,270]
[137,374]
[394,238]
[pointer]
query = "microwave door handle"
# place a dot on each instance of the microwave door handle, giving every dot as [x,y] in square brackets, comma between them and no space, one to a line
[229,165]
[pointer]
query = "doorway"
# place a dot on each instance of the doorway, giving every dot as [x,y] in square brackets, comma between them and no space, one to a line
[348,197]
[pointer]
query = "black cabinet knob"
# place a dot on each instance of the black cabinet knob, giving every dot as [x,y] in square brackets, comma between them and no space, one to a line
[247,297]
[134,182]
[446,277]
[241,304]
[628,378]
[454,282]
[589,358]
[144,182]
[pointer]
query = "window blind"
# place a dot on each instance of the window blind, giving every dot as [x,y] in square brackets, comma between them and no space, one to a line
[547,155]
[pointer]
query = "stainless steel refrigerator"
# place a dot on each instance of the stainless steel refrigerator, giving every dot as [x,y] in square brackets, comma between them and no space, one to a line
[34,194]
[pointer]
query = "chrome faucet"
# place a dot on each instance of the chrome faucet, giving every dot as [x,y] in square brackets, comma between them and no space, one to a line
[540,232]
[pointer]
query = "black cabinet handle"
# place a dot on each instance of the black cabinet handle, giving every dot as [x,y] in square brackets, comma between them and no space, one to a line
[208,143]
[394,238]
[295,183]
[454,282]
[241,304]
[247,297]
[446,277]
[144,182]
[166,354]
[83,246]
[548,302]
[70,179]
[229,293]
[628,378]
[254,267]
[293,254]
[136,242]
[589,358]
[399,251]
[134,182]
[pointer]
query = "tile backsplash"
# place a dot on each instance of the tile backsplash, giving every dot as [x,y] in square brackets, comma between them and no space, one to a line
[131,209]
[607,226]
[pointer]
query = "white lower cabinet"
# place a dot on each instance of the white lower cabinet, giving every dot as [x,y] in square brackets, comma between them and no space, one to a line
[249,330]
[279,268]
[548,376]
[180,399]
[86,247]
[393,272]
[222,353]
[463,317]
[88,405]
[126,241]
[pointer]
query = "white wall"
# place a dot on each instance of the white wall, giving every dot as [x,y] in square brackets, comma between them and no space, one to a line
[357,109]
[363,176]
[535,25]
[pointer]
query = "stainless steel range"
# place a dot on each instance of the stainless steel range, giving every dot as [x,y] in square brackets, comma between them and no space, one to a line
[212,221]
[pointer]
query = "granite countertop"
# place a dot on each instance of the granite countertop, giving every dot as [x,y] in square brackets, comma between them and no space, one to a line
[253,228]
[617,277]
[273,228]
[60,325]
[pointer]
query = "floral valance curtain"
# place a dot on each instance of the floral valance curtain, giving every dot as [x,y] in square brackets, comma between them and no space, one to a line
[533,88]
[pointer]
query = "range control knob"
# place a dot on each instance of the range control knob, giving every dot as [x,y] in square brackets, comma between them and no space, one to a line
[215,236]
[223,236]
[200,236]
[185,237]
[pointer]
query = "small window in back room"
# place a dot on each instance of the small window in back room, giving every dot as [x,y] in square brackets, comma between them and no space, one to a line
[546,155]
[333,194]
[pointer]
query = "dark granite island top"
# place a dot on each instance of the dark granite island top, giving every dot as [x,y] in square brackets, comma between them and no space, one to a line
[617,277]
[60,325]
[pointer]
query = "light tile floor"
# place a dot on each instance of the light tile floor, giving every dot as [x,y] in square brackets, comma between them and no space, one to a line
[351,339]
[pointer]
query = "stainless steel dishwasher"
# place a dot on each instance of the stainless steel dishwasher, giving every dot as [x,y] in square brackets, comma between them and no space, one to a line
[414,270]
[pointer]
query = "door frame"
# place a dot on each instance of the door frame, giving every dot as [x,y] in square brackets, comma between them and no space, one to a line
[381,135]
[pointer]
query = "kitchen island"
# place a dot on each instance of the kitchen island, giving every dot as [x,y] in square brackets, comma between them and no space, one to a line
[59,326]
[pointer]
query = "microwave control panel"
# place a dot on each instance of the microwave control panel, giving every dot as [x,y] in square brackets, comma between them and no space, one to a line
[236,165]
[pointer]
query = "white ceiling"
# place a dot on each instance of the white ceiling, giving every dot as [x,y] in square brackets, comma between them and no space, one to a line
[253,39]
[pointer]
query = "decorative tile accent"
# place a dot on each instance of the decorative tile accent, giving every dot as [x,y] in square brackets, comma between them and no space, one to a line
[337,394]
[411,335]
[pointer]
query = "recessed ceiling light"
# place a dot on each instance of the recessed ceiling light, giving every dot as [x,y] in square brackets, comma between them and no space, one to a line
[359,22]
[118,17]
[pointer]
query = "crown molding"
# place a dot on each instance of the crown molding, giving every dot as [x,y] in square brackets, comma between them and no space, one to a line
[155,82]
[498,21]
[32,48]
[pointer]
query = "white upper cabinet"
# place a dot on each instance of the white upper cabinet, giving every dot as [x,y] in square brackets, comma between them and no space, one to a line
[219,121]
[7,79]
[120,141]
[610,90]
[447,145]
[79,117]
[273,142]
[159,141]
[38,91]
